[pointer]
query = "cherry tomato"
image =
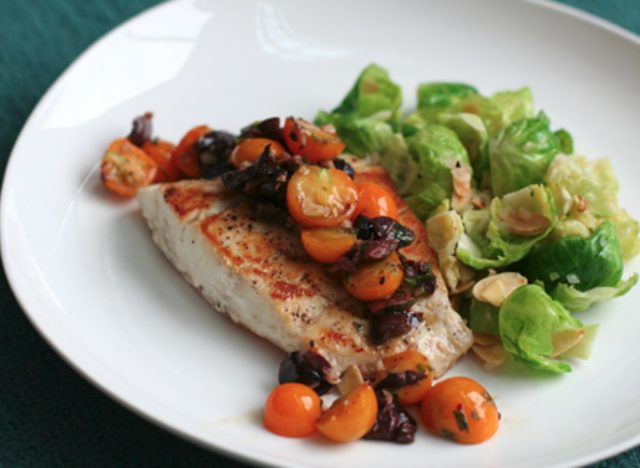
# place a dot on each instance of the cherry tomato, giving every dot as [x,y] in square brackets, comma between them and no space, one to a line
[460,409]
[314,143]
[327,245]
[291,410]
[318,197]
[248,151]
[160,151]
[350,417]
[375,200]
[376,280]
[185,156]
[125,168]
[410,360]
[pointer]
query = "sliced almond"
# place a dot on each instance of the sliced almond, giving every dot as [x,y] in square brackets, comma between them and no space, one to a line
[492,356]
[351,378]
[564,340]
[524,222]
[495,289]
[461,177]
[483,339]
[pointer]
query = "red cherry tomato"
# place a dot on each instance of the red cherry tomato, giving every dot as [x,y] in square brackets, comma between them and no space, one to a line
[375,200]
[410,360]
[292,410]
[248,151]
[318,197]
[314,143]
[376,280]
[125,168]
[327,245]
[185,156]
[460,409]
[160,151]
[350,417]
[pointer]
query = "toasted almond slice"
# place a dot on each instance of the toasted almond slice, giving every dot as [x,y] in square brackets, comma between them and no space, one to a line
[351,378]
[524,222]
[493,356]
[580,203]
[495,289]
[484,339]
[564,340]
[461,178]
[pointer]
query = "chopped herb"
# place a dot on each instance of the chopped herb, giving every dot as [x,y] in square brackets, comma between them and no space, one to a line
[475,416]
[461,419]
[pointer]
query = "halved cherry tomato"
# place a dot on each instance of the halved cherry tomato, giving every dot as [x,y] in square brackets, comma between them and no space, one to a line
[314,143]
[376,280]
[375,200]
[248,151]
[460,409]
[291,410]
[410,360]
[327,245]
[185,156]
[318,197]
[160,151]
[125,168]
[350,417]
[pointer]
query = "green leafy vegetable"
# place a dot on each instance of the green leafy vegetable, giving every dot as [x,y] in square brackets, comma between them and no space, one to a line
[584,263]
[374,137]
[594,182]
[445,228]
[436,150]
[483,318]
[435,97]
[490,240]
[472,134]
[578,301]
[528,320]
[520,154]
[566,141]
[373,92]
[515,105]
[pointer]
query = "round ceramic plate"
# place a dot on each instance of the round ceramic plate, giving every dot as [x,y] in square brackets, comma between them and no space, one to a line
[89,277]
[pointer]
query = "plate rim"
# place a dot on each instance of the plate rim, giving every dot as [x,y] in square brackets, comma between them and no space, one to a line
[18,286]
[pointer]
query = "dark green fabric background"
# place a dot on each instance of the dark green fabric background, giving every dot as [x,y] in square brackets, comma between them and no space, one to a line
[49,416]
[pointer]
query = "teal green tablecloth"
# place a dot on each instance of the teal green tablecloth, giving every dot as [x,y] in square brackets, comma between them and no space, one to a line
[49,416]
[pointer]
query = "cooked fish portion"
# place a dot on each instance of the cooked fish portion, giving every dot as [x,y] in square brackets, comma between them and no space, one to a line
[258,273]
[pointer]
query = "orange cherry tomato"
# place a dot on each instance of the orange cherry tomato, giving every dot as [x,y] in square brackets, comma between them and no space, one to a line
[319,197]
[327,245]
[125,168]
[410,360]
[185,156]
[314,143]
[248,151]
[375,200]
[160,151]
[376,280]
[460,409]
[350,417]
[291,410]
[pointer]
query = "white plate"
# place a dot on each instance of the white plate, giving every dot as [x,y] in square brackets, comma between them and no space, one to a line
[87,274]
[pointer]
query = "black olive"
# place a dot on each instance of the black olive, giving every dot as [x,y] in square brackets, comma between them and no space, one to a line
[142,129]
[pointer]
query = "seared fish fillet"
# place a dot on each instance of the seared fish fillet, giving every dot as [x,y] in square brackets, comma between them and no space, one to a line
[259,274]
